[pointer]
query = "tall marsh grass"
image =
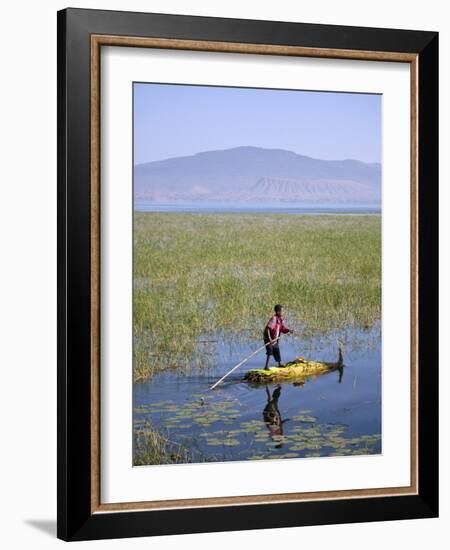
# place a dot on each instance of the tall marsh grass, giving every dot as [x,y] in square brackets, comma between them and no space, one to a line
[152,447]
[196,274]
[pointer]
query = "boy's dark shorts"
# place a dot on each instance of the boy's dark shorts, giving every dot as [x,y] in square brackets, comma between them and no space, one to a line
[273,349]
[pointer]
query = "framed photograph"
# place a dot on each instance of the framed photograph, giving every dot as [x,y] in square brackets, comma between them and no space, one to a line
[247,274]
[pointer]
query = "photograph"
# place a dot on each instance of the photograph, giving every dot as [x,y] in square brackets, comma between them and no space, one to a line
[257,274]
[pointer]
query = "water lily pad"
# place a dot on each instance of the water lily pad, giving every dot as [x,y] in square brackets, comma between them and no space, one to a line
[297,447]
[304,418]
[231,442]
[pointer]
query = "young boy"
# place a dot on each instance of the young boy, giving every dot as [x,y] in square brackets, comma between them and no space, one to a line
[272,330]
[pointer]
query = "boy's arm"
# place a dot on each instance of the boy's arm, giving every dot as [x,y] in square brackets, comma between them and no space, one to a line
[271,329]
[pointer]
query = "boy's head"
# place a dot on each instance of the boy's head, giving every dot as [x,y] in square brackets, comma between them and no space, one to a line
[279,310]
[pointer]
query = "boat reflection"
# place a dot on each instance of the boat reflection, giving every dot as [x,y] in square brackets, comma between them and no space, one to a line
[271,412]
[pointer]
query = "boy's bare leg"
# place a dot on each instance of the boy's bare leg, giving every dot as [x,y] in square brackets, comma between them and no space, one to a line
[267,362]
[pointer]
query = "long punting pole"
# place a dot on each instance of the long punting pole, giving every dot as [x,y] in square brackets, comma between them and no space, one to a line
[243,361]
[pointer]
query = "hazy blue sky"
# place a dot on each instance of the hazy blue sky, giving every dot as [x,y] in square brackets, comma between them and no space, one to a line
[178,120]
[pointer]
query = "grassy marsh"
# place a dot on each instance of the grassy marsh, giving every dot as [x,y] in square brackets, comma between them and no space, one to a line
[200,274]
[152,447]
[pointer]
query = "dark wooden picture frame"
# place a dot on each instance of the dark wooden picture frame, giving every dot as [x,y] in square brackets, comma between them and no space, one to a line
[81,34]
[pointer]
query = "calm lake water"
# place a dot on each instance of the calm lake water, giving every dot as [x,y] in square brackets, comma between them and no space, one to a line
[288,208]
[335,414]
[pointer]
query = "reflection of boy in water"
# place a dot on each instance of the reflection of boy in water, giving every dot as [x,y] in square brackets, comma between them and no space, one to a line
[272,415]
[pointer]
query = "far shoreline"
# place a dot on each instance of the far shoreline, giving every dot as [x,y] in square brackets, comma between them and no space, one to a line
[222,208]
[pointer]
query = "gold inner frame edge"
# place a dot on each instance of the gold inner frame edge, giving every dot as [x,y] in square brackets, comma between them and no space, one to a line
[264,49]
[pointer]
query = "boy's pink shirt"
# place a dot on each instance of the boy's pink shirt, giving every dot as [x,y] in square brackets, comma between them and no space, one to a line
[275,326]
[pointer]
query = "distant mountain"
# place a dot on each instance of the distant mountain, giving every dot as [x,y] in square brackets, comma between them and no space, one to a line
[258,174]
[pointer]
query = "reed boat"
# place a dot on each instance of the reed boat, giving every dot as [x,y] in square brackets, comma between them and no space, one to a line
[297,370]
